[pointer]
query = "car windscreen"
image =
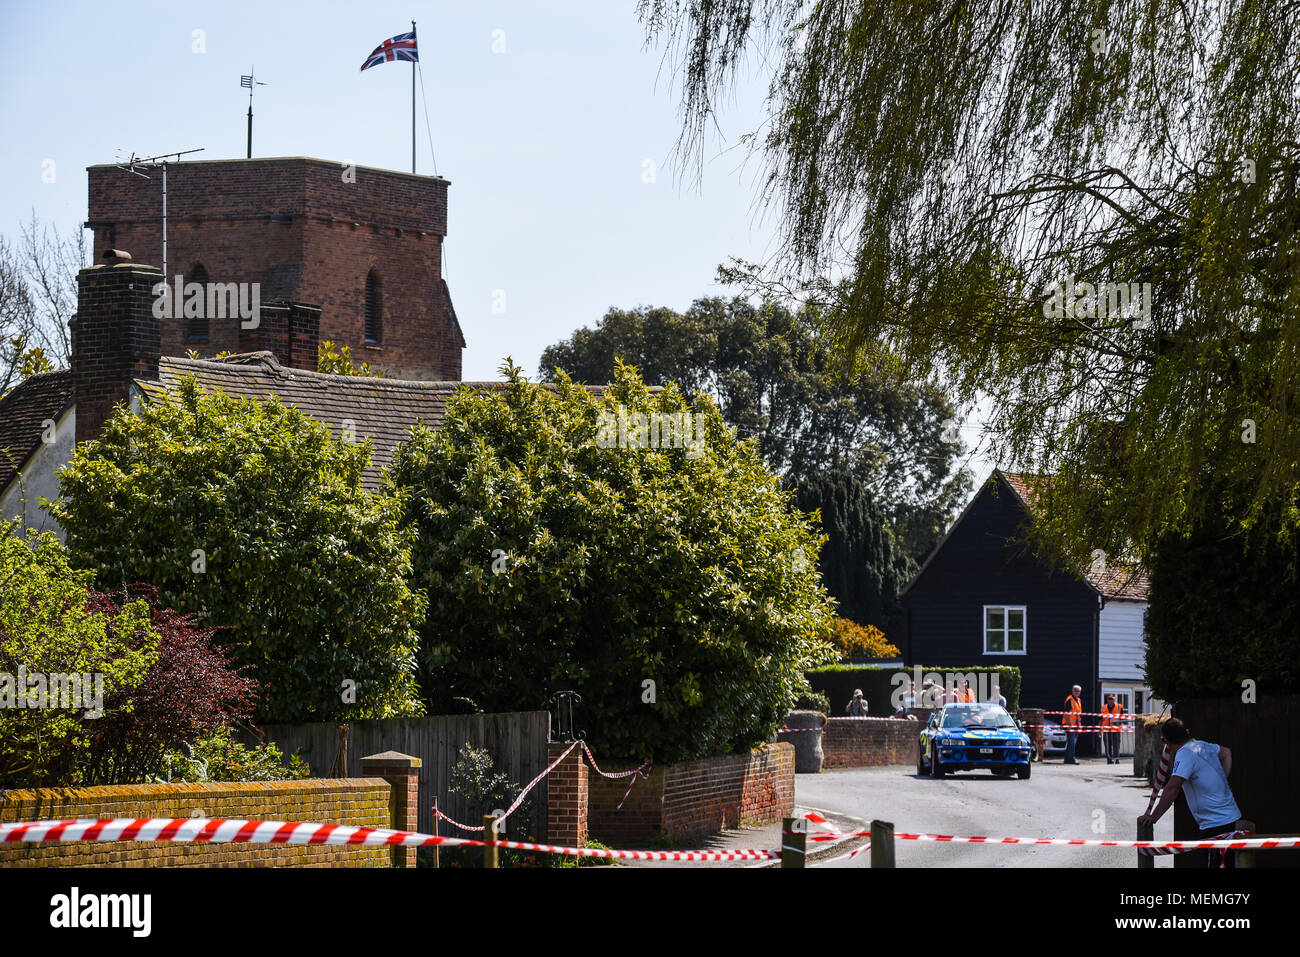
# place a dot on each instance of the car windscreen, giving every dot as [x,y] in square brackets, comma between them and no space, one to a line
[977,718]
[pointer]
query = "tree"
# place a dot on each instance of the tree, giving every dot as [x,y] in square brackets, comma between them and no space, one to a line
[253,518]
[49,635]
[51,262]
[191,688]
[985,189]
[862,564]
[775,379]
[622,545]
[1209,632]
[38,296]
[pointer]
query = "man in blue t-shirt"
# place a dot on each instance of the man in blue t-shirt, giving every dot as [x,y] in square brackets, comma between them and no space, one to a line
[1200,771]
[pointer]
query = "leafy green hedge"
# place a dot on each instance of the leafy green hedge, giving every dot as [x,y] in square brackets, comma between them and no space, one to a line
[1006,676]
[1225,608]
[878,684]
[837,682]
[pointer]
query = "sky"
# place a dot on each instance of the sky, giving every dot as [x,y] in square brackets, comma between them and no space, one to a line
[554,122]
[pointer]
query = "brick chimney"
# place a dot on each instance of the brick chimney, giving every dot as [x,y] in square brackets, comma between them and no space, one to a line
[115,336]
[288,330]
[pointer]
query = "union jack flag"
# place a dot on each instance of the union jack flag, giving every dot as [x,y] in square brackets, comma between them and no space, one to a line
[400,47]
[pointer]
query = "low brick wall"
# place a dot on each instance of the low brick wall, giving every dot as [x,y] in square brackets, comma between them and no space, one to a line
[354,801]
[870,742]
[694,798]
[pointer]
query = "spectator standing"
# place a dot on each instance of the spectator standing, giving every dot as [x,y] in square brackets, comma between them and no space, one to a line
[857,706]
[1110,724]
[1200,770]
[997,697]
[1071,721]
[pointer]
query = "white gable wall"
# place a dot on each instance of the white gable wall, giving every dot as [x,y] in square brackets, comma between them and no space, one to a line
[36,479]
[1122,642]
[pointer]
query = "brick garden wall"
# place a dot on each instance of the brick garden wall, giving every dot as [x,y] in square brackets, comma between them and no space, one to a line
[694,798]
[870,742]
[351,801]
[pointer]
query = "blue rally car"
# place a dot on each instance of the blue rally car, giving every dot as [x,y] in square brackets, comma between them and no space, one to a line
[963,737]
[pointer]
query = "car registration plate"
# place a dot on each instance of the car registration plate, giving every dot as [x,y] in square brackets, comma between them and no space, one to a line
[986,750]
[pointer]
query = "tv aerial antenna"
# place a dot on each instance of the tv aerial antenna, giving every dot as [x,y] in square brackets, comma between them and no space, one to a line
[153,162]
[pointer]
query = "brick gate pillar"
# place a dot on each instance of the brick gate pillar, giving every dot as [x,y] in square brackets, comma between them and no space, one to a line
[402,772]
[566,796]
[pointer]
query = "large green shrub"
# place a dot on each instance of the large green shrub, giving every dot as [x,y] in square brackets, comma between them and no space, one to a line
[1225,609]
[217,756]
[48,638]
[251,516]
[675,589]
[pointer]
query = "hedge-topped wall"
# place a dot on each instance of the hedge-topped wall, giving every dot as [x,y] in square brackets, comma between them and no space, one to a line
[878,684]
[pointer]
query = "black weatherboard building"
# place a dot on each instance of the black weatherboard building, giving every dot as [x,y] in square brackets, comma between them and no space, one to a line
[981,598]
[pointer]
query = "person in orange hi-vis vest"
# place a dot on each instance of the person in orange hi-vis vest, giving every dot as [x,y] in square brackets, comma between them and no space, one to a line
[966,694]
[1071,722]
[1111,724]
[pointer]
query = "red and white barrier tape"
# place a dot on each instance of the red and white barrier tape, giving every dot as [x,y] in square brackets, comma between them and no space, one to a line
[1158,851]
[464,827]
[1087,727]
[1157,847]
[1161,776]
[621,774]
[199,830]
[219,831]
[519,800]
[226,831]
[793,730]
[643,771]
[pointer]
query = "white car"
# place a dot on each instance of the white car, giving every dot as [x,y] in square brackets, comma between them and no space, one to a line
[1053,737]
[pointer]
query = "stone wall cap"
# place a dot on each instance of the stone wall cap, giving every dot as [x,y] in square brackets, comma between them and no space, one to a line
[394,757]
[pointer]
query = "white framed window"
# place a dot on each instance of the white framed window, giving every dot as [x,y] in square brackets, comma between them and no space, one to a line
[1004,629]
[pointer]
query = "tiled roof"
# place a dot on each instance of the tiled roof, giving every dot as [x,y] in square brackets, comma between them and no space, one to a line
[22,416]
[382,410]
[1022,485]
[1122,581]
[1118,580]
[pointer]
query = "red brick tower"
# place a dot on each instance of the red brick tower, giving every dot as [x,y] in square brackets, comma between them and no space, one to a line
[364,244]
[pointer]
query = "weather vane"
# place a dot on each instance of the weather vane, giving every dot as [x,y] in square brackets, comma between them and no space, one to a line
[248,82]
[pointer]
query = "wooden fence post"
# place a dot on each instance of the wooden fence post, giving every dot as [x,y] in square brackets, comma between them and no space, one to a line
[794,841]
[434,832]
[882,844]
[489,835]
[1145,832]
[1245,858]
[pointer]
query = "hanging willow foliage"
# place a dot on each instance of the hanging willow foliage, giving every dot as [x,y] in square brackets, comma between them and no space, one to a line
[948,174]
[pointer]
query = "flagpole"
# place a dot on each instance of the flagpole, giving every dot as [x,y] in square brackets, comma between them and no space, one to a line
[417,53]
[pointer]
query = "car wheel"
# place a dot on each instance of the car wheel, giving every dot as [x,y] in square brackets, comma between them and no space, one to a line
[936,767]
[1023,773]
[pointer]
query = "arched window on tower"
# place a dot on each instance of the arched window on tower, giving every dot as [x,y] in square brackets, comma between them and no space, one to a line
[374,309]
[196,327]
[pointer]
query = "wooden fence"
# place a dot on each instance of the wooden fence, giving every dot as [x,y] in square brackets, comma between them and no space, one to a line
[517,742]
[1265,771]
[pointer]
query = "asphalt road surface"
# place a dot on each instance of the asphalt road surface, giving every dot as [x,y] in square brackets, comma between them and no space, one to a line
[1091,800]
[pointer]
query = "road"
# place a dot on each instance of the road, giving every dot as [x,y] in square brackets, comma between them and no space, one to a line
[1090,800]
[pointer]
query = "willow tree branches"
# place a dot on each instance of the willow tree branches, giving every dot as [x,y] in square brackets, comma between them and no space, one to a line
[1082,211]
